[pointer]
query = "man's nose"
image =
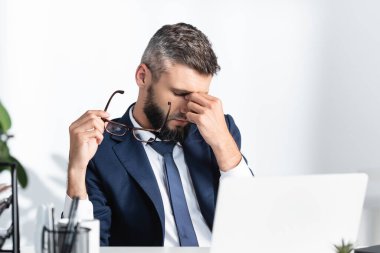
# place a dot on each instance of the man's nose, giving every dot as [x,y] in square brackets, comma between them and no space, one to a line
[184,108]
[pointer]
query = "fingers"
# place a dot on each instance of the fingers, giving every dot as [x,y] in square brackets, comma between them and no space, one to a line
[204,109]
[88,126]
[193,117]
[197,98]
[204,100]
[201,97]
[194,107]
[88,136]
[91,114]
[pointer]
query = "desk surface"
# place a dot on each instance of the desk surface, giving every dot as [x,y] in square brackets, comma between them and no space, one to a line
[153,250]
[140,250]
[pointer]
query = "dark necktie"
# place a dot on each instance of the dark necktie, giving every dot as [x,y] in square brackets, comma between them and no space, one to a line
[185,229]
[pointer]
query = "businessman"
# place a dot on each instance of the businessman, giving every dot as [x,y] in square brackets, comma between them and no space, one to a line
[151,177]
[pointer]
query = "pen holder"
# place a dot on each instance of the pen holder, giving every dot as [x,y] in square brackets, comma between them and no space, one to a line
[53,241]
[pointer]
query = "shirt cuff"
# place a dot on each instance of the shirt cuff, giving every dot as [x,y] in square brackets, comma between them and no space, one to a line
[240,171]
[85,209]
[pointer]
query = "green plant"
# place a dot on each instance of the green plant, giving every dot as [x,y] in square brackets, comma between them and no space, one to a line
[344,248]
[5,156]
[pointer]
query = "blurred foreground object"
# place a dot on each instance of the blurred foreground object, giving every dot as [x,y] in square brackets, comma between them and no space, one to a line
[5,156]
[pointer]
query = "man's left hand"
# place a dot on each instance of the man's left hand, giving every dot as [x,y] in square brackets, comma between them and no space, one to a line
[206,112]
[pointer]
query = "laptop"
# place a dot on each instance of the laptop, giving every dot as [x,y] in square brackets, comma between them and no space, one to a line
[294,214]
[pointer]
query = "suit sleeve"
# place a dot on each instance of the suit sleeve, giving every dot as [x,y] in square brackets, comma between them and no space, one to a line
[102,210]
[234,130]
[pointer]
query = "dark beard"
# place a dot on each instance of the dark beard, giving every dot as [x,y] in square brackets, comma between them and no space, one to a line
[156,118]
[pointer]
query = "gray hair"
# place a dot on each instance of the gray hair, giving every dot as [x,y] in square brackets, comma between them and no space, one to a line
[180,43]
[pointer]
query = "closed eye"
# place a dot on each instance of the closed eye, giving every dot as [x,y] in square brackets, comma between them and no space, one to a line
[179,93]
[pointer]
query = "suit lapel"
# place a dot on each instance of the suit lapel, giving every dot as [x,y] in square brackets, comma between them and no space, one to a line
[132,155]
[198,160]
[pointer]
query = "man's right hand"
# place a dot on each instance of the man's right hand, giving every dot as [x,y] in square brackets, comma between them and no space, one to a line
[86,133]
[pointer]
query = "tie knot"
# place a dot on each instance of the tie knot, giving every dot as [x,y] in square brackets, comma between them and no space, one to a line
[163,147]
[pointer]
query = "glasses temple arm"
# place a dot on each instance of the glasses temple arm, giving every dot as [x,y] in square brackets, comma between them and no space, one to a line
[109,100]
[167,115]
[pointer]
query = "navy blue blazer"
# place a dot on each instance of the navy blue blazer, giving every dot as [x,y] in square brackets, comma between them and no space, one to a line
[124,192]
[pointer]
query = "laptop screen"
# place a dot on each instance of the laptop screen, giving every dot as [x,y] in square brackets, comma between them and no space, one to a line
[288,214]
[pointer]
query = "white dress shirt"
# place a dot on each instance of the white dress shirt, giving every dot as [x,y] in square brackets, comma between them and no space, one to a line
[85,207]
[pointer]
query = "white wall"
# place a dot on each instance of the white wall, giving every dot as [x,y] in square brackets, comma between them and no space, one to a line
[349,100]
[301,79]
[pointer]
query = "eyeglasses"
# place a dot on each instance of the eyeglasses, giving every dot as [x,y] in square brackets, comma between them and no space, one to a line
[140,134]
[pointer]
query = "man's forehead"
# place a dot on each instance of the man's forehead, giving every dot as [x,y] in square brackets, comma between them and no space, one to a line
[185,79]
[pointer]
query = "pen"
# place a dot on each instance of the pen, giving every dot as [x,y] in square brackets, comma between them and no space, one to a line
[70,232]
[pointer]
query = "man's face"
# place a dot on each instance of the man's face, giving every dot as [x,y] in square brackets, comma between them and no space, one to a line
[173,85]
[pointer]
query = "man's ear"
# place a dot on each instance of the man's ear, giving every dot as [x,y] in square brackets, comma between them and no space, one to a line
[143,76]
